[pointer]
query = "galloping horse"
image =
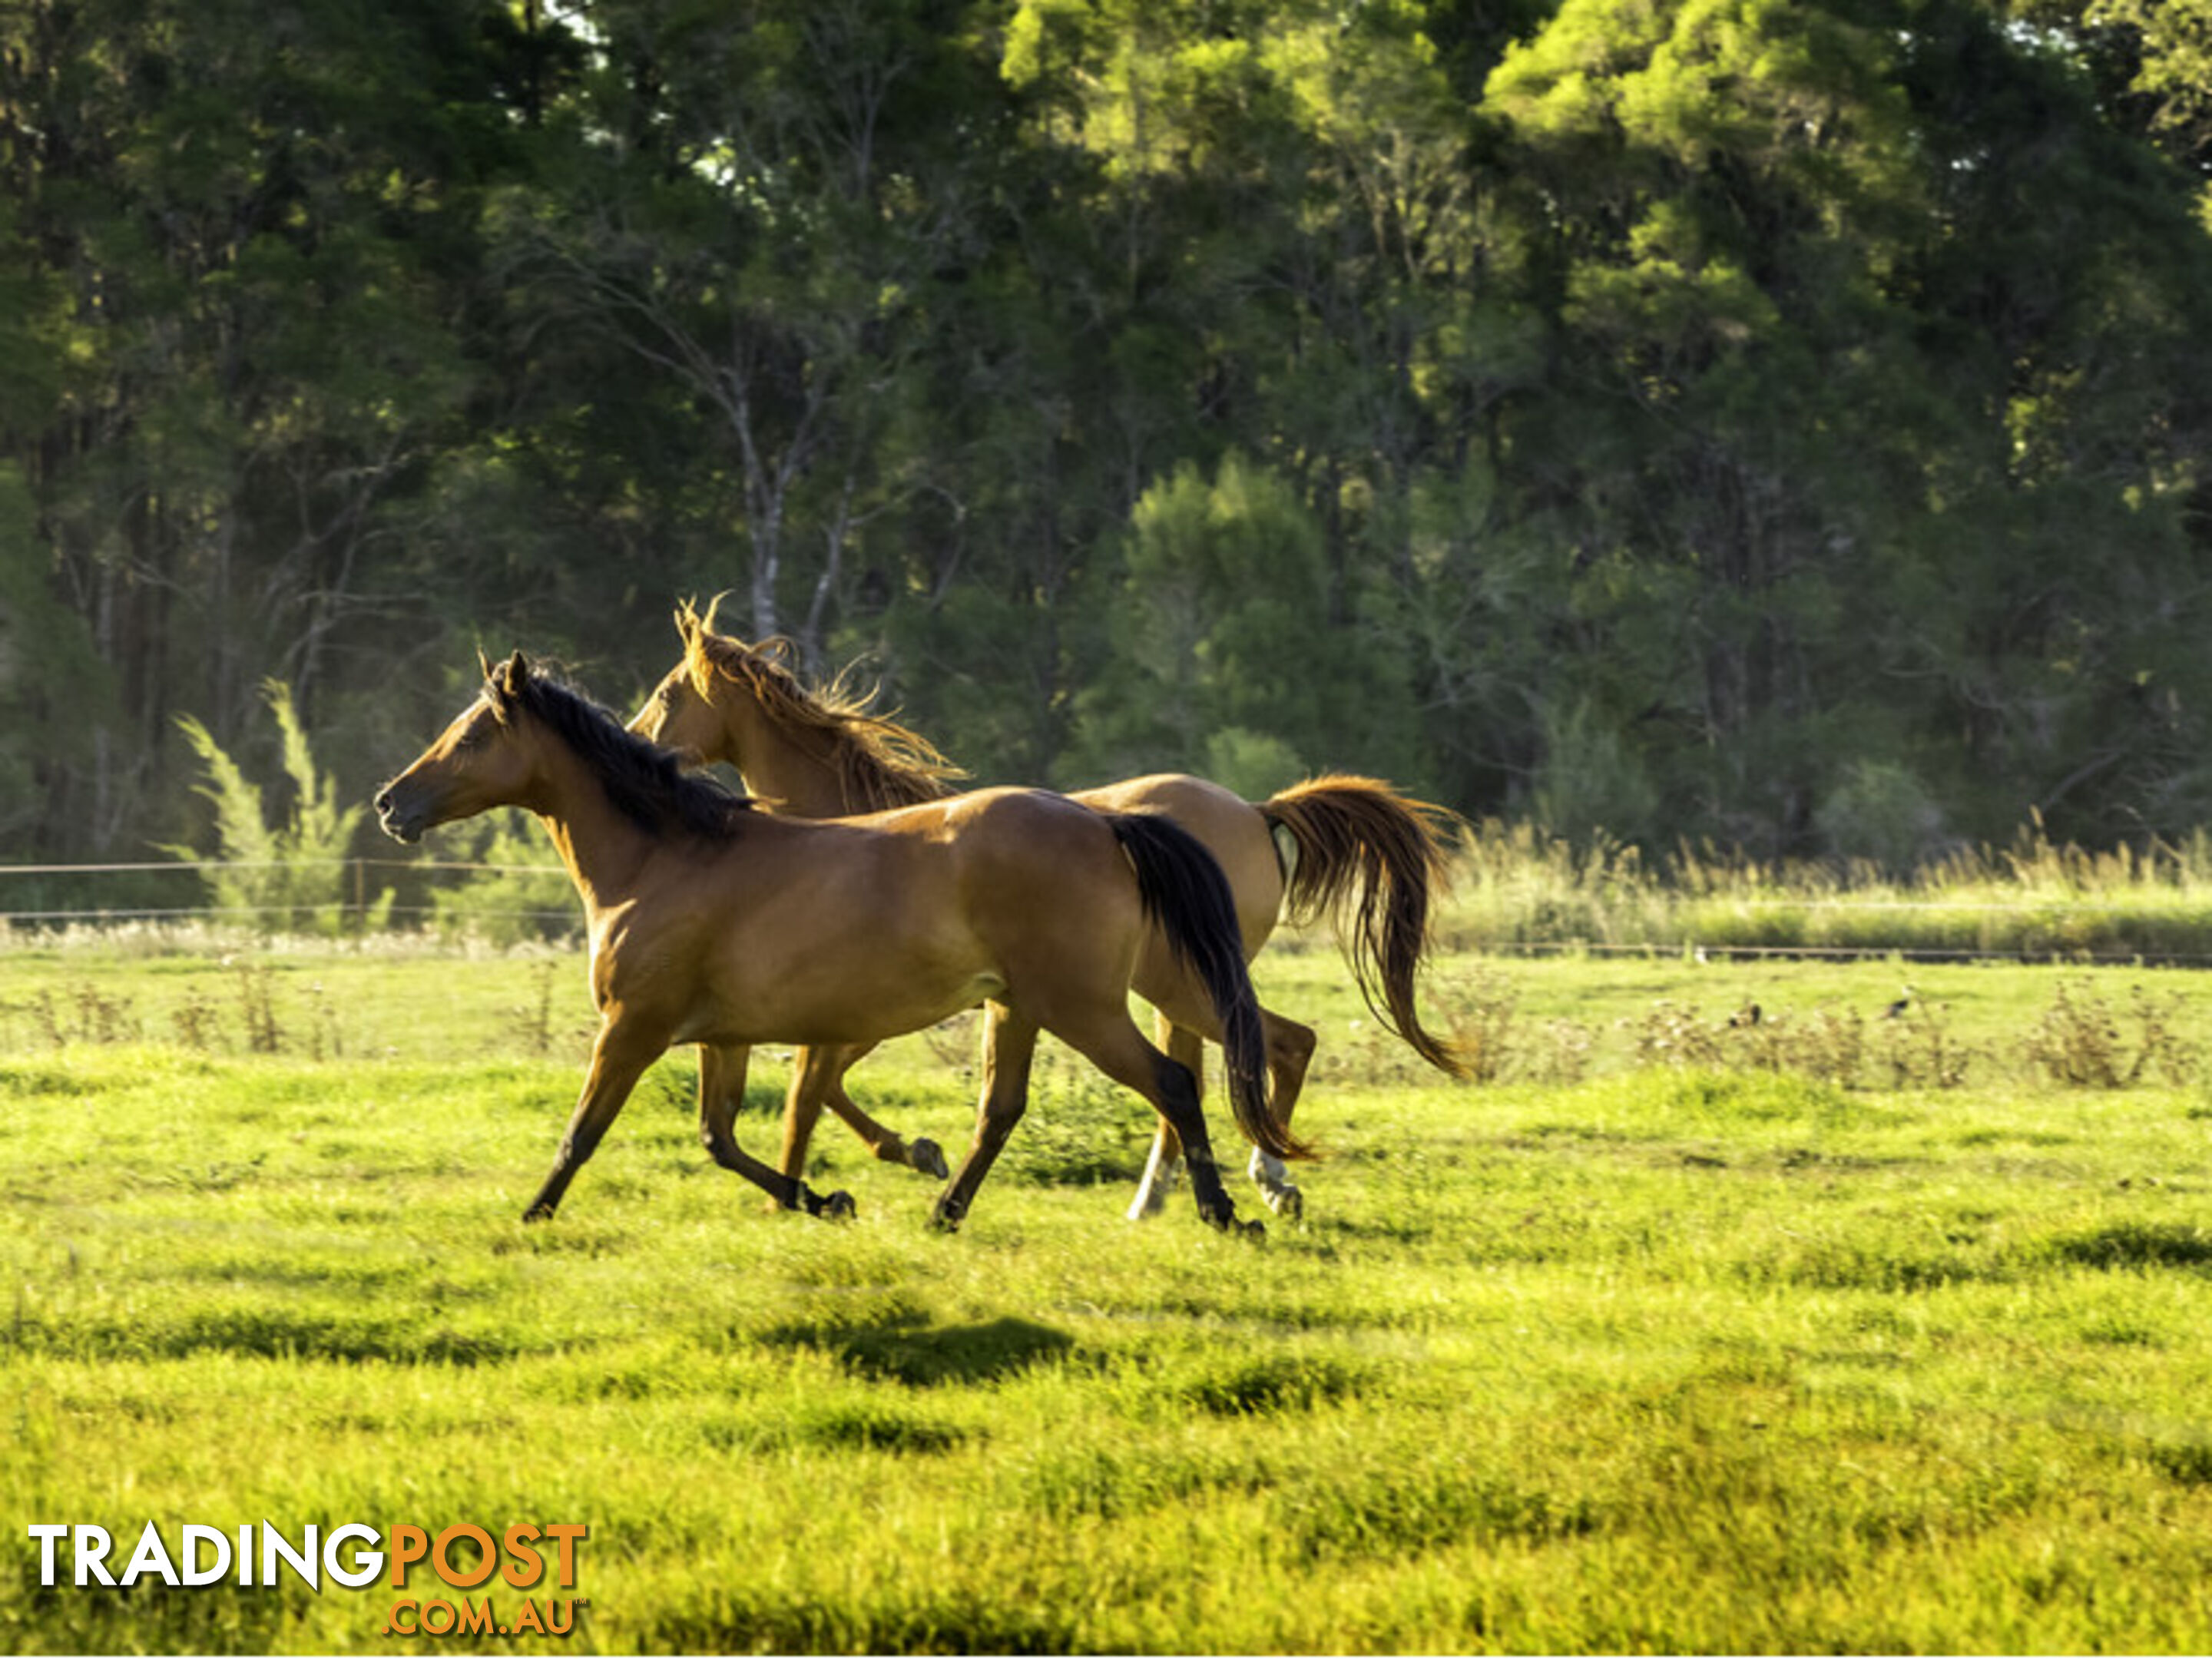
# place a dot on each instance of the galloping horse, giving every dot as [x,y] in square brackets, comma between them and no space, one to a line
[1357,850]
[713,923]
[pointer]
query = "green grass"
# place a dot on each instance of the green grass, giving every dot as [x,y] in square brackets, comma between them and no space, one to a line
[1704,1356]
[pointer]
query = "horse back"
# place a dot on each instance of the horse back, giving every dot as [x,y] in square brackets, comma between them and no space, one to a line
[1027,868]
[1227,825]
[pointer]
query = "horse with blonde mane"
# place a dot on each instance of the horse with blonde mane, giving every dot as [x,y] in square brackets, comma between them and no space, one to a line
[711,922]
[1351,848]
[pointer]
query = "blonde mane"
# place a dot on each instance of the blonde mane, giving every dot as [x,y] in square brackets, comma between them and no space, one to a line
[879,763]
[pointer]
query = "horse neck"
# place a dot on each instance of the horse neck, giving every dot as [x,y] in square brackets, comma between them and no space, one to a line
[791,771]
[604,849]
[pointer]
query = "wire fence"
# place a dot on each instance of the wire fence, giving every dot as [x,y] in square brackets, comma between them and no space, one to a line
[367,894]
[514,900]
[1673,950]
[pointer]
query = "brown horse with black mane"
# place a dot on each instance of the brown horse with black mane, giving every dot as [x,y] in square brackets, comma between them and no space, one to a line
[1346,847]
[712,923]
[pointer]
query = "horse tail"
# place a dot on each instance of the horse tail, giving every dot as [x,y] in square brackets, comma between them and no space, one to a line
[1188,898]
[1371,858]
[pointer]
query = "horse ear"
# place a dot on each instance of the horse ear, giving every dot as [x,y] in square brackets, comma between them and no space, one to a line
[484,662]
[507,680]
[688,625]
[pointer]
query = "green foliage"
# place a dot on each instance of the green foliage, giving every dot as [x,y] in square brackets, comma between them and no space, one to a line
[521,892]
[1233,642]
[55,693]
[2172,51]
[1592,782]
[1879,811]
[290,877]
[1254,764]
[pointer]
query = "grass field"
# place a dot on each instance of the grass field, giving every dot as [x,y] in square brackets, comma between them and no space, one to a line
[1818,1331]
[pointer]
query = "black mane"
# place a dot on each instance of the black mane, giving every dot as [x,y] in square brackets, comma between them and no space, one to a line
[643,779]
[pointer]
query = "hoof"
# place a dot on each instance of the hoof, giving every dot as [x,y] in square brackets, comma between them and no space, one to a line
[1286,1202]
[926,1155]
[1227,1225]
[946,1217]
[535,1213]
[837,1206]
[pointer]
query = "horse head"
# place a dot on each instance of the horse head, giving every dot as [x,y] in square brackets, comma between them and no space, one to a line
[481,760]
[679,715]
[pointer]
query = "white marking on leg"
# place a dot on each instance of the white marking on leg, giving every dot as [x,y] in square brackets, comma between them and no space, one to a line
[1153,1187]
[1272,1178]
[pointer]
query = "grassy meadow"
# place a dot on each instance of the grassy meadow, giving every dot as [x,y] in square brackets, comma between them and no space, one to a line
[1686,1330]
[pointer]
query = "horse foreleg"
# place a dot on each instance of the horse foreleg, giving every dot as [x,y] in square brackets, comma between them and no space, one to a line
[1290,1051]
[1009,1044]
[618,1059]
[722,1069]
[1187,1048]
[811,1074]
[1119,1049]
[819,1080]
[721,1093]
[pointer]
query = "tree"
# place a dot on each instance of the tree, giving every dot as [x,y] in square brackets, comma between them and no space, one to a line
[757,201]
[244,234]
[1227,659]
[1782,246]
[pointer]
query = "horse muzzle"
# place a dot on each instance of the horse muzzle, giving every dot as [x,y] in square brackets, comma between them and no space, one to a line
[402,821]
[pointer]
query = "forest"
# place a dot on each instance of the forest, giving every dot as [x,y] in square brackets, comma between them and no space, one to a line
[1781,424]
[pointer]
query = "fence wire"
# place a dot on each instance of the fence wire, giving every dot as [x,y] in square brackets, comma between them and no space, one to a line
[355,910]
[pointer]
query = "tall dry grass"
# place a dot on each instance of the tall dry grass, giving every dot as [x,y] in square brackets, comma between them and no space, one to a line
[1519,887]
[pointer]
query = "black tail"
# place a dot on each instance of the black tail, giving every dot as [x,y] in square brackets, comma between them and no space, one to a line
[1188,898]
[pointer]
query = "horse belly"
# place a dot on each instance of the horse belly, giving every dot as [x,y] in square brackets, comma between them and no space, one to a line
[837,995]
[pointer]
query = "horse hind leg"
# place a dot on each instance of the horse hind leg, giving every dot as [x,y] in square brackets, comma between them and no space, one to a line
[721,1091]
[1187,1049]
[921,1154]
[1290,1051]
[1119,1049]
[817,1079]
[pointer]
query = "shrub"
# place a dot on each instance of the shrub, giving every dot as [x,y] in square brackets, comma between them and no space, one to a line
[518,891]
[291,877]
